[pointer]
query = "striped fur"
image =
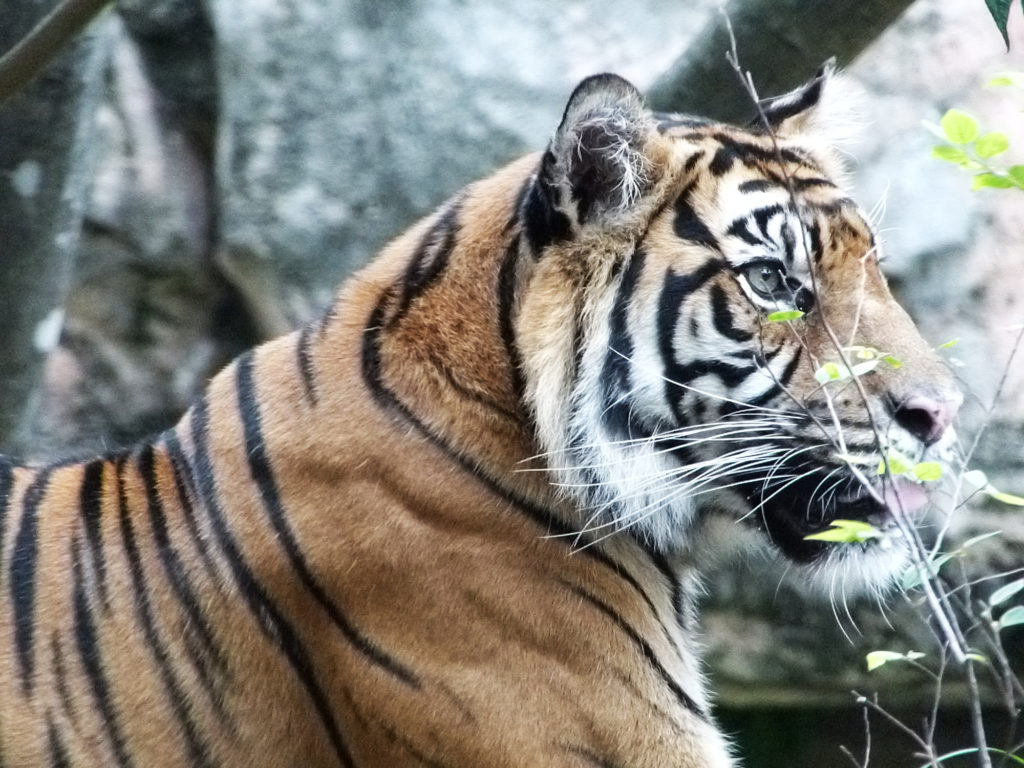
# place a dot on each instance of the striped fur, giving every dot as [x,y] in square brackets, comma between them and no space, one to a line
[460,521]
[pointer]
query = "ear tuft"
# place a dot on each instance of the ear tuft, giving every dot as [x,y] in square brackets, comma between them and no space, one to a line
[597,160]
[827,109]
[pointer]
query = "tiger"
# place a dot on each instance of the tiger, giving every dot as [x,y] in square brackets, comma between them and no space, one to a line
[462,518]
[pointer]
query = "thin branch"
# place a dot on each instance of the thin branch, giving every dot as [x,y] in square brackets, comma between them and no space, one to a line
[32,53]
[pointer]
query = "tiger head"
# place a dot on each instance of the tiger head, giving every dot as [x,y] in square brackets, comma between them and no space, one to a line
[707,334]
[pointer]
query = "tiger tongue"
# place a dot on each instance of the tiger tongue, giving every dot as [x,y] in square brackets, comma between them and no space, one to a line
[904,496]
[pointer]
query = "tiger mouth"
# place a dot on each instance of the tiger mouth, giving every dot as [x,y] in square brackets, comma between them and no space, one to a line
[789,518]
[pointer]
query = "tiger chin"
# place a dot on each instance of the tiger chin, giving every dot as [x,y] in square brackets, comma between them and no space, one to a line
[461,520]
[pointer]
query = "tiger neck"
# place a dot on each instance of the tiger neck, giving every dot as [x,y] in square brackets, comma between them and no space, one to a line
[438,348]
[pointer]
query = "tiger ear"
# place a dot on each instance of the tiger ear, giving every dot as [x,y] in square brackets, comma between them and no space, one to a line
[597,165]
[825,108]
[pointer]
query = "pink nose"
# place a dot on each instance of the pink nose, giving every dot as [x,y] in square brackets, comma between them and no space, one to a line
[927,417]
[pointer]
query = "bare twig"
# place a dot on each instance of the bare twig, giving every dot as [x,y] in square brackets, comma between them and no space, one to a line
[32,53]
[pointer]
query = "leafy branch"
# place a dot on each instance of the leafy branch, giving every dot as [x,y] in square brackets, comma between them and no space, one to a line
[966,146]
[954,619]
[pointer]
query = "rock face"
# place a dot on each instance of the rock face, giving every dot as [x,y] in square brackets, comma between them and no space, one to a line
[44,141]
[250,154]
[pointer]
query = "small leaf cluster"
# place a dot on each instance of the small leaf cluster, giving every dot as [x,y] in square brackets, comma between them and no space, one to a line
[972,150]
[897,463]
[868,359]
[912,576]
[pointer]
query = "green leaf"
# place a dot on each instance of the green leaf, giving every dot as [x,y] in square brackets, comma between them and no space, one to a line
[846,532]
[893,361]
[959,127]
[1000,81]
[974,480]
[928,471]
[898,464]
[1016,173]
[950,343]
[876,659]
[1012,618]
[977,540]
[863,353]
[828,372]
[912,577]
[992,144]
[950,154]
[782,316]
[1000,10]
[1005,592]
[983,180]
[866,367]
[1006,498]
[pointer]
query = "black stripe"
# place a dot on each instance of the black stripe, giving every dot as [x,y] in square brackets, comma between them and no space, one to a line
[730,375]
[762,215]
[741,228]
[644,647]
[814,234]
[722,317]
[198,751]
[430,258]
[263,475]
[268,616]
[202,647]
[387,400]
[506,304]
[185,486]
[688,225]
[543,223]
[23,578]
[785,107]
[675,290]
[756,185]
[790,369]
[307,372]
[6,485]
[90,503]
[59,757]
[751,154]
[675,589]
[87,644]
[692,160]
[802,183]
[618,412]
[723,160]
[60,672]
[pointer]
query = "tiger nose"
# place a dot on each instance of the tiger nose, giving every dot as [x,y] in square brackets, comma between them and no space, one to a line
[927,417]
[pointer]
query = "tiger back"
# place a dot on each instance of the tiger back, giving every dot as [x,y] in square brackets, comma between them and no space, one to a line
[461,520]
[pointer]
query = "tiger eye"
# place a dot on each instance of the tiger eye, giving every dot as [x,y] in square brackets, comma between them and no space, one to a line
[764,279]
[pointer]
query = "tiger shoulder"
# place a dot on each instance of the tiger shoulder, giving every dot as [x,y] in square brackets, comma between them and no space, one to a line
[461,520]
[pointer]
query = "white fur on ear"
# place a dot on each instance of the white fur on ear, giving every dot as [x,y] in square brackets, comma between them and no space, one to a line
[828,110]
